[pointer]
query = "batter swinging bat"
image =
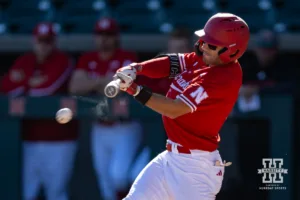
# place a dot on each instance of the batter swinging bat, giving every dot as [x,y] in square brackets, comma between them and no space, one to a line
[112,88]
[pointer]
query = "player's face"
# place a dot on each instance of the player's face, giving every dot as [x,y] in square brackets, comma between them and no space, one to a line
[106,41]
[43,46]
[210,54]
[178,45]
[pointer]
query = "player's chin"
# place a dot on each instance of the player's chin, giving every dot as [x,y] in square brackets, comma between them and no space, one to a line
[205,59]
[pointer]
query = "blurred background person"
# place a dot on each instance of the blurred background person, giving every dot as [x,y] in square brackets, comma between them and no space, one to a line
[48,147]
[114,141]
[266,71]
[179,41]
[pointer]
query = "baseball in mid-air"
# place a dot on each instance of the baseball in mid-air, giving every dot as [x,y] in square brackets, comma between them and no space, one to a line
[64,115]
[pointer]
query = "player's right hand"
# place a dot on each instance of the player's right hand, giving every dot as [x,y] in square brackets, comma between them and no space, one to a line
[127,84]
[134,89]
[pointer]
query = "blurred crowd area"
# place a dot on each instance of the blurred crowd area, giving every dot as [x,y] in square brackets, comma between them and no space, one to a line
[69,16]
[116,146]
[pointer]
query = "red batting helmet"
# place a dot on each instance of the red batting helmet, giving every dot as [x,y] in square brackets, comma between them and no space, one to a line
[226,30]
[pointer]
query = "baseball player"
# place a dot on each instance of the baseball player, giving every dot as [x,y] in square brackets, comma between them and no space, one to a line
[204,90]
[48,147]
[114,142]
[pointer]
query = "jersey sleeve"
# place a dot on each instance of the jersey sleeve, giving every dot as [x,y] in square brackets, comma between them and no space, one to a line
[187,60]
[193,95]
[166,65]
[56,77]
[202,94]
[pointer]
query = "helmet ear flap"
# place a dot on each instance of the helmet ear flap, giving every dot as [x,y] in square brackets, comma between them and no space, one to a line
[224,54]
[227,54]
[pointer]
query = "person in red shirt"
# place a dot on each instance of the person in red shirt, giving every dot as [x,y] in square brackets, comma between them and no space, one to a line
[114,142]
[203,92]
[48,147]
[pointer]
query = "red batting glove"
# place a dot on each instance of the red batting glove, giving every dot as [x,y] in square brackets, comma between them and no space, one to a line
[134,89]
[127,77]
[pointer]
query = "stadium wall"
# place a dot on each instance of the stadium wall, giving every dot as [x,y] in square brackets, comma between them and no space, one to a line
[141,43]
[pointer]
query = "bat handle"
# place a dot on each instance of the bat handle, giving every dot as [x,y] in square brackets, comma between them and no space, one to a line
[112,88]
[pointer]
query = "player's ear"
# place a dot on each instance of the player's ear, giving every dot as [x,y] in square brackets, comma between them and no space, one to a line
[197,48]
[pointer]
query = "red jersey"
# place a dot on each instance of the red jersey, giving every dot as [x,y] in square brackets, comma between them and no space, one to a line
[211,93]
[97,68]
[57,68]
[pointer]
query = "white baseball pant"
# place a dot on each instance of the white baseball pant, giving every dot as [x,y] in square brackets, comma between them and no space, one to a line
[113,151]
[177,176]
[50,165]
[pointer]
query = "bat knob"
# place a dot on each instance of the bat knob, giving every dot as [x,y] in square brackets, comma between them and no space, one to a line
[112,89]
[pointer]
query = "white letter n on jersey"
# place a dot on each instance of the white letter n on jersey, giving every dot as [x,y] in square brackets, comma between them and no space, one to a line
[199,95]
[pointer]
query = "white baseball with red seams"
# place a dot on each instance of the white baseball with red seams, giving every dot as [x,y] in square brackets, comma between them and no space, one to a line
[64,115]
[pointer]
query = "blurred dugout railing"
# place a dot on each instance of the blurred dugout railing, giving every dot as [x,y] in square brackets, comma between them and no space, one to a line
[135,42]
